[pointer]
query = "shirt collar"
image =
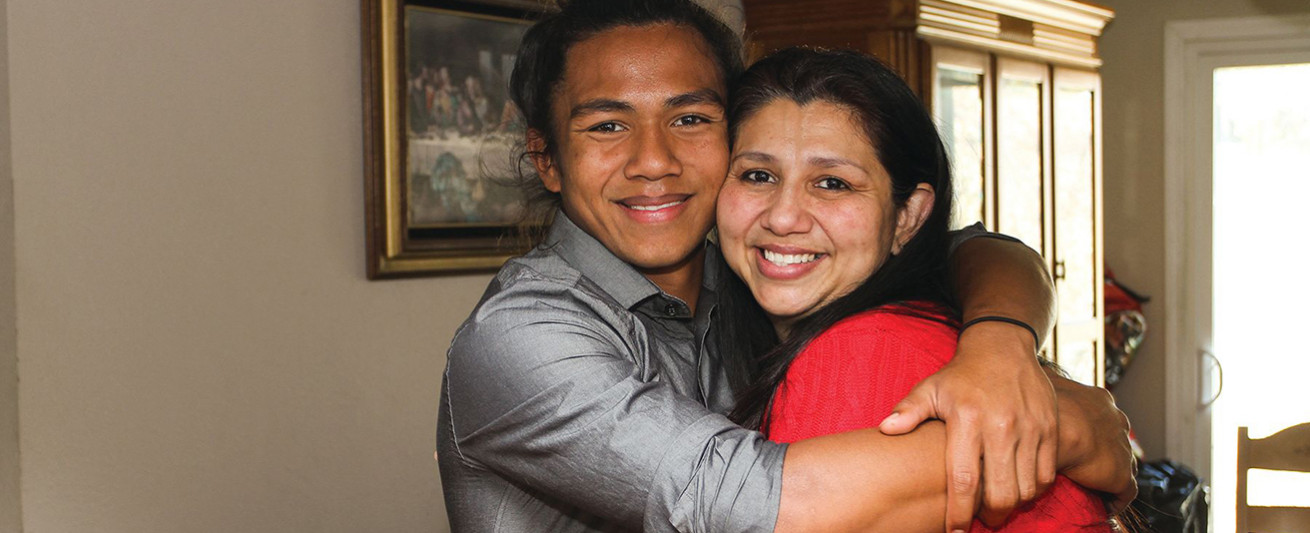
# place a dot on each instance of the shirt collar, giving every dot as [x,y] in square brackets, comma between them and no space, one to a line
[615,276]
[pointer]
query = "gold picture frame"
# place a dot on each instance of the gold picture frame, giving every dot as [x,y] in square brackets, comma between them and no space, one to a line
[440,134]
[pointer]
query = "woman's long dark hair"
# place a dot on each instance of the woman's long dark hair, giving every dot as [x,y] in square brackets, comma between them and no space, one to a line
[905,139]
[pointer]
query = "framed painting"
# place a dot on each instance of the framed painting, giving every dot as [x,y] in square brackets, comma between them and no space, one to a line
[441,134]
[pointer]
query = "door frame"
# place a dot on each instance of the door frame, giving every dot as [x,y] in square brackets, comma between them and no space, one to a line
[1193,50]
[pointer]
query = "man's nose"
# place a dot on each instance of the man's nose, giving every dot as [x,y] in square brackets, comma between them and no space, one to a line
[653,155]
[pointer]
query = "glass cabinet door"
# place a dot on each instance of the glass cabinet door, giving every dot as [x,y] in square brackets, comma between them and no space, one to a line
[1076,206]
[1021,148]
[960,102]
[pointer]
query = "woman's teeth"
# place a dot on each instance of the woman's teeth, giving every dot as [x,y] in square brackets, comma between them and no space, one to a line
[653,207]
[788,259]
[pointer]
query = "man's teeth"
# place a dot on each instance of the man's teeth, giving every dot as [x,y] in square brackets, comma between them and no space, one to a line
[788,259]
[654,207]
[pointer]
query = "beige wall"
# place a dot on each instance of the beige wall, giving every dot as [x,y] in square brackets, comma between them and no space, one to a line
[10,519]
[1133,77]
[200,350]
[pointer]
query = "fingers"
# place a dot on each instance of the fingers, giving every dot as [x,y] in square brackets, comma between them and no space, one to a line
[1026,461]
[912,411]
[1048,446]
[963,468]
[1000,470]
[1047,453]
[1125,496]
[1123,500]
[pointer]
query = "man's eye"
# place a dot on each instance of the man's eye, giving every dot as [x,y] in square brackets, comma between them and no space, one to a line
[757,176]
[606,127]
[690,120]
[833,184]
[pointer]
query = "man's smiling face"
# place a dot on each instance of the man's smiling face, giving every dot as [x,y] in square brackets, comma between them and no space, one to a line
[641,143]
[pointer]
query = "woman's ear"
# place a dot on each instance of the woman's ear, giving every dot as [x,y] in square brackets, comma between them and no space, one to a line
[541,161]
[911,216]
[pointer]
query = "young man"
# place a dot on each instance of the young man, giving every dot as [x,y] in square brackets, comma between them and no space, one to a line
[585,392]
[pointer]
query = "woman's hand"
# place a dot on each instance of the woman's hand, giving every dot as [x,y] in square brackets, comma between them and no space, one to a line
[1001,420]
[1094,447]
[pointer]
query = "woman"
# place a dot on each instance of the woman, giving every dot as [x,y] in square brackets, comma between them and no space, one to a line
[834,215]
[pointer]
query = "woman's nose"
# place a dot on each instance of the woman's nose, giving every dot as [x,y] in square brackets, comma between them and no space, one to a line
[787,213]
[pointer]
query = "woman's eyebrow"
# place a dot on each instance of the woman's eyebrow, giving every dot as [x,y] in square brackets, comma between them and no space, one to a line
[831,162]
[758,157]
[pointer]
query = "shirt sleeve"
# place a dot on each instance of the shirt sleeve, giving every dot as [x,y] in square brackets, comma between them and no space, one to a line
[548,396]
[977,229]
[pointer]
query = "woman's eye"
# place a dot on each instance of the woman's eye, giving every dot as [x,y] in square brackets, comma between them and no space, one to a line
[833,184]
[606,127]
[757,176]
[690,120]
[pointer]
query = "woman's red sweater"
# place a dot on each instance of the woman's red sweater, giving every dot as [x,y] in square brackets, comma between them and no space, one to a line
[852,375]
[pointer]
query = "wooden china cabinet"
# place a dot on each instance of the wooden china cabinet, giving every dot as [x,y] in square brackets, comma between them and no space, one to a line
[1017,97]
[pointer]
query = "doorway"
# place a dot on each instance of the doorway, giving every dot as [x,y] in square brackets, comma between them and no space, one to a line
[1261,269]
[1238,180]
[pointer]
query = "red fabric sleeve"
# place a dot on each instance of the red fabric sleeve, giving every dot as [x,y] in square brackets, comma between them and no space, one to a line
[852,375]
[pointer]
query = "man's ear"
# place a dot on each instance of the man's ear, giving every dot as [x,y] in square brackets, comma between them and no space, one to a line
[546,168]
[911,216]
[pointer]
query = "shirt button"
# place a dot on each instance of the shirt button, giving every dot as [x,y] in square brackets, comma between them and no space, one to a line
[671,310]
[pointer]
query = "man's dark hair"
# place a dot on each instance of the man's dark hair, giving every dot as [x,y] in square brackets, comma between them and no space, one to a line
[540,65]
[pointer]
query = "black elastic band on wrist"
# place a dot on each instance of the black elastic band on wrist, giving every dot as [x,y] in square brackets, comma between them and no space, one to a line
[992,318]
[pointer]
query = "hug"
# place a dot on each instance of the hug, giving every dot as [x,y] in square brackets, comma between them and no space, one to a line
[748,313]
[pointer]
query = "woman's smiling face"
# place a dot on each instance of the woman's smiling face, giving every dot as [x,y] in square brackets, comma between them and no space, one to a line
[806,213]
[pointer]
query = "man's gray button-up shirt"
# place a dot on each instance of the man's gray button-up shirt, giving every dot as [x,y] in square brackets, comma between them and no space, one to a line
[580,397]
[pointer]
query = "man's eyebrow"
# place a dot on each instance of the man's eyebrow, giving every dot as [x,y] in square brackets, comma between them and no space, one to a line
[599,105]
[701,97]
[758,157]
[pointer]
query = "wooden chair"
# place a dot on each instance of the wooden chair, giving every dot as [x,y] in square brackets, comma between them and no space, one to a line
[1288,449]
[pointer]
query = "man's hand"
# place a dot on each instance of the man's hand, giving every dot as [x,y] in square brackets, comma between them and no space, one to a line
[1094,447]
[1001,420]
